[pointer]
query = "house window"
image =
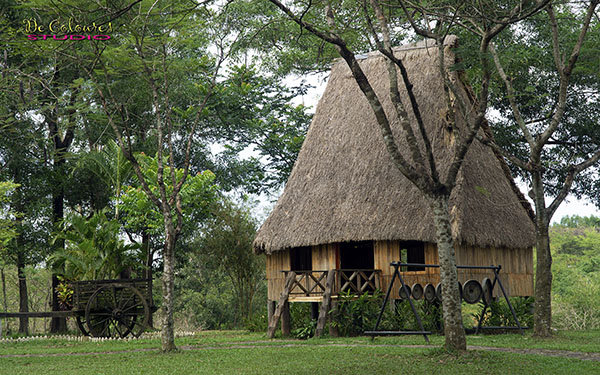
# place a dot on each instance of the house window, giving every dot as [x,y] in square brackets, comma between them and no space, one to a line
[301,259]
[412,252]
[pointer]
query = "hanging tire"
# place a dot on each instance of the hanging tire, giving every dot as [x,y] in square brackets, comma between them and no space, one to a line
[417,291]
[429,293]
[487,291]
[472,291]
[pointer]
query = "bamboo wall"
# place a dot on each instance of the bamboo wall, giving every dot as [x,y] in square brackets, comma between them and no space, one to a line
[516,274]
[276,262]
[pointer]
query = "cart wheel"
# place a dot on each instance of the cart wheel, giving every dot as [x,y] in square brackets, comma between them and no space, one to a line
[438,292]
[81,325]
[116,311]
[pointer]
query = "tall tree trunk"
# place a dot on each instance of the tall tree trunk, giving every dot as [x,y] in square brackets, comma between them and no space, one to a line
[168,329]
[451,305]
[61,146]
[542,316]
[57,325]
[148,274]
[7,328]
[23,296]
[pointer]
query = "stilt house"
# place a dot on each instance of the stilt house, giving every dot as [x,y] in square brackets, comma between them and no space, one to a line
[347,209]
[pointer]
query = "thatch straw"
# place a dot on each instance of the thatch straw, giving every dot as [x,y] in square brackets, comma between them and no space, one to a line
[344,187]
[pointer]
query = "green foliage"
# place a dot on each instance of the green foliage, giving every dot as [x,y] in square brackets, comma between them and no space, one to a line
[222,281]
[575,245]
[93,249]
[499,314]
[110,167]
[7,216]
[576,221]
[400,317]
[356,314]
[302,324]
[139,213]
[65,293]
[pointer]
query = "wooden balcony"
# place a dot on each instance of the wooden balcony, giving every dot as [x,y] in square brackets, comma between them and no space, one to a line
[309,286]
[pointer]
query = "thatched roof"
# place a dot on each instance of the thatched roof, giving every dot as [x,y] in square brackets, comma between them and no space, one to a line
[344,186]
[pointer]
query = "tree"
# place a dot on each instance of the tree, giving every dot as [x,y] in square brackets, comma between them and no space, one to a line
[227,242]
[334,25]
[163,48]
[141,217]
[7,216]
[548,127]
[93,249]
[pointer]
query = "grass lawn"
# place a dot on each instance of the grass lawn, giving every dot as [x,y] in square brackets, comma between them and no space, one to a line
[238,352]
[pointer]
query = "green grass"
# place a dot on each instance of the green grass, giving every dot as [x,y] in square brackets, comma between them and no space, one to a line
[239,352]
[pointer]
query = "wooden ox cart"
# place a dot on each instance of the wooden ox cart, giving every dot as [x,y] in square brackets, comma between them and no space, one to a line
[106,308]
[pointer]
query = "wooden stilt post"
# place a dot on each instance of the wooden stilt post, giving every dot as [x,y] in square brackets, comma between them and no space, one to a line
[326,304]
[270,310]
[283,299]
[333,330]
[286,328]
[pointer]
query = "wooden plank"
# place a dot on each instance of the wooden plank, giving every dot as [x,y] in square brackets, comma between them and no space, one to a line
[286,327]
[289,281]
[325,305]
[41,314]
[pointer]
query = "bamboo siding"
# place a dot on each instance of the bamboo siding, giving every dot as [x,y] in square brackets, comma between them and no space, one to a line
[516,274]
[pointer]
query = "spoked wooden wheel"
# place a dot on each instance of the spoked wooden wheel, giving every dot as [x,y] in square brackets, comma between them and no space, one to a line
[116,311]
[81,325]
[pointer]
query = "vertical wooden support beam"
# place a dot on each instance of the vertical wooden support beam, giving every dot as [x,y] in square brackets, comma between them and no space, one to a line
[285,319]
[283,299]
[333,330]
[326,304]
[270,310]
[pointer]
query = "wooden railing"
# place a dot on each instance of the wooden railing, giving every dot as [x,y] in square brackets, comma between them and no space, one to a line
[357,281]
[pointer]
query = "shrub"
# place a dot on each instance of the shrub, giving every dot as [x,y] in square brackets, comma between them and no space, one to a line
[356,314]
[498,313]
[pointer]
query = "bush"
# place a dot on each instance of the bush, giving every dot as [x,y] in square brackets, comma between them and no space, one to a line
[498,313]
[355,315]
[302,324]
[402,318]
[580,310]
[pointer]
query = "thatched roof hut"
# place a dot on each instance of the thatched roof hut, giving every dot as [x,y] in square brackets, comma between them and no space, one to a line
[344,187]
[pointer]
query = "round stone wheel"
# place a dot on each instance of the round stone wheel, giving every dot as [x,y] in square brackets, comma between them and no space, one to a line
[487,291]
[438,292]
[116,311]
[429,293]
[417,291]
[472,291]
